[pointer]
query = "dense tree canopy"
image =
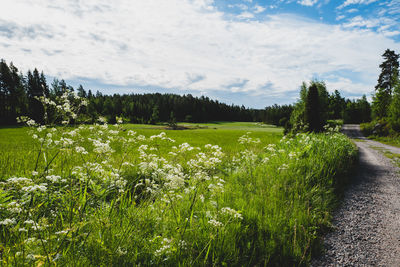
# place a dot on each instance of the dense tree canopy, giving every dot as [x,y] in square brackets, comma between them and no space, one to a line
[19,93]
[18,96]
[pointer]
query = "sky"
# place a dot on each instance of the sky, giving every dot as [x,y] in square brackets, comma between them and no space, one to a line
[246,52]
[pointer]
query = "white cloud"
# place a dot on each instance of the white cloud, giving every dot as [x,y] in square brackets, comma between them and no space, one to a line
[240,6]
[352,10]
[359,21]
[259,9]
[245,15]
[307,2]
[340,17]
[356,2]
[185,45]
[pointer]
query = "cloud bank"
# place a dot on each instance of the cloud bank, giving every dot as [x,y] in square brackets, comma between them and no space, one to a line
[189,46]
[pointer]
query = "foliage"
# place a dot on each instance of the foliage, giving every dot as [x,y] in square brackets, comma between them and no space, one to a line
[277,115]
[311,111]
[172,121]
[19,97]
[312,115]
[386,82]
[389,69]
[367,128]
[394,108]
[357,111]
[380,127]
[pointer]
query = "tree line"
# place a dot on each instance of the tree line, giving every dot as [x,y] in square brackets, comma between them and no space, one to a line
[330,107]
[19,93]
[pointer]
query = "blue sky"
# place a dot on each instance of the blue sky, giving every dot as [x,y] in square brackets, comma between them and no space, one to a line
[249,52]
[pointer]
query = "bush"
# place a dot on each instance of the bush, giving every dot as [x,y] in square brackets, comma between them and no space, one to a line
[367,128]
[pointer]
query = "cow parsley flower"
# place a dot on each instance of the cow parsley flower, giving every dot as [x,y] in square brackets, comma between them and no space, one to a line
[215,223]
[8,221]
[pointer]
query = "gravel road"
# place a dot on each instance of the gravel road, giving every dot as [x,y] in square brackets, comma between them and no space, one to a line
[367,224]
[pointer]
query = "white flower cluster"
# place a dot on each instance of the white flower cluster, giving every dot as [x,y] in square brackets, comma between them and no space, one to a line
[247,140]
[231,212]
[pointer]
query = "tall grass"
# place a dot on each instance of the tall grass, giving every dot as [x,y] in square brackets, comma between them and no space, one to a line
[103,195]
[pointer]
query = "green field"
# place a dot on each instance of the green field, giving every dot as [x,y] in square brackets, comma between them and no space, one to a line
[212,194]
[17,148]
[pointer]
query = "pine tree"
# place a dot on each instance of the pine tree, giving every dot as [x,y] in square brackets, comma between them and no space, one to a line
[394,110]
[389,69]
[384,88]
[313,110]
[35,89]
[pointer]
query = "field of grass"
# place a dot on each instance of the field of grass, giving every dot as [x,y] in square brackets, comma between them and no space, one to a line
[123,195]
[17,148]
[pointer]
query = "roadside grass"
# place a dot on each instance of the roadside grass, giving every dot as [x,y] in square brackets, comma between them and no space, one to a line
[388,140]
[358,139]
[393,156]
[103,195]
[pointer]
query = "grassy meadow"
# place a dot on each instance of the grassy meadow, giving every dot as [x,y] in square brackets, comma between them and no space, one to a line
[223,194]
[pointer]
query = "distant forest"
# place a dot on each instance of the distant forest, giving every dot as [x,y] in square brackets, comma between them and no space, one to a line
[19,92]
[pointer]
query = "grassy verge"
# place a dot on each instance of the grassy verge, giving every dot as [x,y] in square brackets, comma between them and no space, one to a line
[120,195]
[389,140]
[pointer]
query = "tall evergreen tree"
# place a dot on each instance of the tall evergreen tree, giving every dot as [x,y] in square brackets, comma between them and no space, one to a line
[389,69]
[313,109]
[384,88]
[394,110]
[35,89]
[5,84]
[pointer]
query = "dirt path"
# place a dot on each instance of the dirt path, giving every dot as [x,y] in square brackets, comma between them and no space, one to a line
[367,225]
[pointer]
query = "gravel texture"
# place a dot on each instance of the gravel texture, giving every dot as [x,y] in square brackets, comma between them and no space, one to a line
[366,227]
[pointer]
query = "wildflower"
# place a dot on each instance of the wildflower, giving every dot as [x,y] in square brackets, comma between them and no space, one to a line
[283,167]
[102,120]
[232,213]
[41,128]
[215,223]
[131,133]
[81,150]
[185,147]
[35,188]
[14,207]
[18,180]
[8,221]
[102,148]
[165,247]
[30,257]
[63,232]
[120,251]
[53,178]
[66,141]
[201,197]
[31,123]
